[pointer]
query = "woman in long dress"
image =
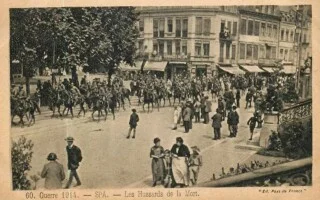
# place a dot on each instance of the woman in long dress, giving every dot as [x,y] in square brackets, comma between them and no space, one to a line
[157,165]
[180,156]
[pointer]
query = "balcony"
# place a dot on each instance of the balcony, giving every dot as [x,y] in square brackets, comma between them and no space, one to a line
[166,57]
[226,37]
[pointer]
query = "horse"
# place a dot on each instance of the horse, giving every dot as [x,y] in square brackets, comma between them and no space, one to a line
[55,101]
[148,98]
[99,105]
[31,106]
[17,109]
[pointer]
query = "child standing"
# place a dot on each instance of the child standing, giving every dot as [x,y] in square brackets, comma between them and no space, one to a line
[252,124]
[194,163]
[133,122]
[167,168]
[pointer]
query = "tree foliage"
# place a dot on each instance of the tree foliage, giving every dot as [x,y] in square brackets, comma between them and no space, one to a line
[67,37]
[21,155]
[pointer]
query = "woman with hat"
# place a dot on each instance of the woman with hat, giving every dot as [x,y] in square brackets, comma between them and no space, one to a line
[180,156]
[157,165]
[53,173]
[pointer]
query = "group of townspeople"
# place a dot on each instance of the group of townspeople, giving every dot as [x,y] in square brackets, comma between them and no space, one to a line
[53,171]
[175,167]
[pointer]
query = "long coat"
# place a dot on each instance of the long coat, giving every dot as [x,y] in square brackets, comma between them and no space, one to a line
[54,175]
[187,114]
[216,120]
[74,157]
[233,118]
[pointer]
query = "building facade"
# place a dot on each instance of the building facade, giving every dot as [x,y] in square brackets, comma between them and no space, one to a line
[206,40]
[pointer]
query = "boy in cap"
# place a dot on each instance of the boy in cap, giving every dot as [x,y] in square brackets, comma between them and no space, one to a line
[133,122]
[194,163]
[233,121]
[74,158]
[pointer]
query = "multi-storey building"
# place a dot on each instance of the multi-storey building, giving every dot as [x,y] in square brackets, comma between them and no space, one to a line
[207,40]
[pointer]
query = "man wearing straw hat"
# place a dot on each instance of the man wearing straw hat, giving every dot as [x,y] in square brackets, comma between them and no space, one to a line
[74,158]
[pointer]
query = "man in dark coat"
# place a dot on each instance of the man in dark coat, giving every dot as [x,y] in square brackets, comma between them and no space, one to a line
[221,108]
[133,122]
[186,115]
[74,158]
[233,121]
[238,96]
[216,124]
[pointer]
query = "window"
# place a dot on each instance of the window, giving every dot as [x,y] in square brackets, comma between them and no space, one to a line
[170,27]
[233,53]
[141,48]
[207,27]
[263,29]
[221,51]
[141,25]
[291,56]
[178,28]
[305,38]
[285,54]
[243,27]
[262,51]
[197,49]
[242,51]
[178,51]
[255,52]
[250,27]
[249,52]
[206,49]
[185,28]
[269,30]
[184,48]
[235,28]
[169,47]
[155,28]
[282,35]
[161,48]
[229,27]
[155,47]
[273,52]
[281,54]
[161,28]
[256,28]
[268,52]
[222,26]
[198,25]
[287,35]
[275,31]
[228,51]
[296,38]
[291,36]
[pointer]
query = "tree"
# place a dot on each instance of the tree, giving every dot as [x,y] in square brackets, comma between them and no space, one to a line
[21,154]
[73,37]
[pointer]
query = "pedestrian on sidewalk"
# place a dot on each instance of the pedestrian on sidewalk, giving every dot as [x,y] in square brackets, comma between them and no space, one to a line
[180,156]
[207,109]
[194,163]
[190,105]
[74,158]
[133,122]
[238,96]
[197,109]
[221,107]
[252,124]
[157,165]
[53,173]
[168,168]
[186,115]
[175,118]
[248,99]
[216,124]
[233,121]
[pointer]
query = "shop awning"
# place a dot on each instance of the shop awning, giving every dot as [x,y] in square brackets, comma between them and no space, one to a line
[177,63]
[269,69]
[234,69]
[289,69]
[155,66]
[125,67]
[252,68]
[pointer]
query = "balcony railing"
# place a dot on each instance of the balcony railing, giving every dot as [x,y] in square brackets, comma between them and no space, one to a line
[226,37]
[166,57]
[299,111]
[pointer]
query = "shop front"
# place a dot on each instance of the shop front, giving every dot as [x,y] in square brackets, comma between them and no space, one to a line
[176,68]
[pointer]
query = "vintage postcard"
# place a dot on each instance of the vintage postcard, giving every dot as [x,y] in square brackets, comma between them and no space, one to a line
[141,100]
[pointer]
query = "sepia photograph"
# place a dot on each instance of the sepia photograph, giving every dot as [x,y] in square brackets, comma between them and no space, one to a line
[160,97]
